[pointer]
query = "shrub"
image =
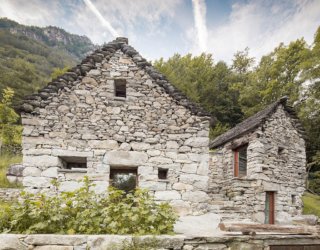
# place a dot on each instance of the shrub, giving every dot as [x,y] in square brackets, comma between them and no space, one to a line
[85,212]
[10,132]
[6,160]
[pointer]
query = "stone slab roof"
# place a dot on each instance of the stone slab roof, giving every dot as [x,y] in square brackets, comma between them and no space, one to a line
[253,122]
[34,102]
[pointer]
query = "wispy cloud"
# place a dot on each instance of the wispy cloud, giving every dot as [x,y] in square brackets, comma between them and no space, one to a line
[199,13]
[159,28]
[263,25]
[103,21]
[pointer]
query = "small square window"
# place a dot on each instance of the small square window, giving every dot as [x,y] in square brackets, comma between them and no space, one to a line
[120,88]
[163,173]
[280,150]
[124,179]
[73,163]
[240,161]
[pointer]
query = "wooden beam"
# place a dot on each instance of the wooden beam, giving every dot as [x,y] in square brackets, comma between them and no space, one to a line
[271,228]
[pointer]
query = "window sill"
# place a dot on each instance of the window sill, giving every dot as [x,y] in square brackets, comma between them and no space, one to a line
[245,178]
[117,98]
[162,180]
[72,171]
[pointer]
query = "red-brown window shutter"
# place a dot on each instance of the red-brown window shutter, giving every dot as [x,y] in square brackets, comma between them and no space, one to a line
[236,163]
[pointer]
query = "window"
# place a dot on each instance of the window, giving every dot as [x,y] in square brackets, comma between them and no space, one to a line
[162,173]
[120,88]
[280,150]
[270,208]
[73,163]
[293,199]
[123,179]
[240,161]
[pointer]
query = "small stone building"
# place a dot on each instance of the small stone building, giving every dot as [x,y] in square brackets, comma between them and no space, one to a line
[259,167]
[117,120]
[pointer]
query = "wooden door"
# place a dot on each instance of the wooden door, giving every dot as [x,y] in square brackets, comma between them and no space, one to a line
[270,208]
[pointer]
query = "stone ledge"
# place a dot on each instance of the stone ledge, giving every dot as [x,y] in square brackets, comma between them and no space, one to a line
[72,170]
[164,242]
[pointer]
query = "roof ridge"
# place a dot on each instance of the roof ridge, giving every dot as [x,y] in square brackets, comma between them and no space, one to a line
[34,102]
[256,120]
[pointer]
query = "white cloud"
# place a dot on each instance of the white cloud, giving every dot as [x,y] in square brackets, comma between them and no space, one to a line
[102,20]
[162,27]
[199,12]
[123,16]
[262,25]
[31,12]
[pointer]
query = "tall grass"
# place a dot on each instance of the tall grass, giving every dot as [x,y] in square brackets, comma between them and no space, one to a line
[311,204]
[5,161]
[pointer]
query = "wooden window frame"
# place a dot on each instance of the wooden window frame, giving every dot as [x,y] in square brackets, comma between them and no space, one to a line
[236,171]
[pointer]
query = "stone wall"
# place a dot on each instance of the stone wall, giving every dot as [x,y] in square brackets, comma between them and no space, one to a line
[275,162]
[164,242]
[9,194]
[146,130]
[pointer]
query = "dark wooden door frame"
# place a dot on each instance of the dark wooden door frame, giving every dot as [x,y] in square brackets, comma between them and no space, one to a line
[270,196]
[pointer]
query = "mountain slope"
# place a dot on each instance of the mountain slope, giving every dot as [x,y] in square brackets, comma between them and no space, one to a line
[77,46]
[28,55]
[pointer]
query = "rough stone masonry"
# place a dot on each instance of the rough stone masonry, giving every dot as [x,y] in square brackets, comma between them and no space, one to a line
[114,111]
[147,130]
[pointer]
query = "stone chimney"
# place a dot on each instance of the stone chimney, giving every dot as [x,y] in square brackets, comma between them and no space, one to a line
[122,39]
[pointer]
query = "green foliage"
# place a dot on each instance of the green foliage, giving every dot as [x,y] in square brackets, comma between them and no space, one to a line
[5,161]
[241,62]
[277,75]
[5,213]
[84,212]
[30,54]
[58,72]
[10,132]
[218,130]
[314,182]
[204,82]
[311,204]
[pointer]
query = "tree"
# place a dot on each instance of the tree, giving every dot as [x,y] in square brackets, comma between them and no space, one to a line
[206,83]
[10,131]
[242,63]
[278,74]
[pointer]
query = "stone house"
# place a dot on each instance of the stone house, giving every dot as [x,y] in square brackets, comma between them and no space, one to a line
[117,120]
[259,166]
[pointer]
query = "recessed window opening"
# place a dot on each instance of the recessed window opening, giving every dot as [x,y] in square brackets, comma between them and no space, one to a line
[74,163]
[280,150]
[163,173]
[293,199]
[240,161]
[124,179]
[120,88]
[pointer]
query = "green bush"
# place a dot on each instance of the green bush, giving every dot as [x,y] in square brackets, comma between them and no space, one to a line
[6,160]
[84,212]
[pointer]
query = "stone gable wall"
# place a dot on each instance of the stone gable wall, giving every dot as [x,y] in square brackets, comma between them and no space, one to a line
[146,130]
[268,169]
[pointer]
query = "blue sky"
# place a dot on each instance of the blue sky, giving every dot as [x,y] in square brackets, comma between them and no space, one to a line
[160,28]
